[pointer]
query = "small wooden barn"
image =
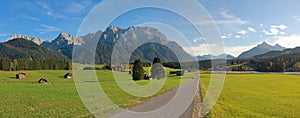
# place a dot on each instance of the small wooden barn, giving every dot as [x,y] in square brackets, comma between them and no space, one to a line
[147,77]
[21,76]
[68,75]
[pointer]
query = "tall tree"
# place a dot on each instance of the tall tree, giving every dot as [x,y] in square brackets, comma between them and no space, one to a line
[157,69]
[156,60]
[5,64]
[137,70]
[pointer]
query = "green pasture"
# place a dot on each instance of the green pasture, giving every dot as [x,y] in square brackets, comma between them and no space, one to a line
[59,98]
[256,95]
[243,95]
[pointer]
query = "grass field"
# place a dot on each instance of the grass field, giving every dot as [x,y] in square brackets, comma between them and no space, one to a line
[243,95]
[256,95]
[26,98]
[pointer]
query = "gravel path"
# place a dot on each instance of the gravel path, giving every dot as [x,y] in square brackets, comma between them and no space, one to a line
[156,103]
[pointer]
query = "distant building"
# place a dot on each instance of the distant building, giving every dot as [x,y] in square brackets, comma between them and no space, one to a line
[20,76]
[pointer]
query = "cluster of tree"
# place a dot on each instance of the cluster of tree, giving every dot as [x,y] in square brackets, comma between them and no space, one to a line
[25,64]
[272,64]
[204,65]
[138,70]
[276,64]
[157,70]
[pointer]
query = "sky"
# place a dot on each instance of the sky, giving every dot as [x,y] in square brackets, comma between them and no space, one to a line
[242,23]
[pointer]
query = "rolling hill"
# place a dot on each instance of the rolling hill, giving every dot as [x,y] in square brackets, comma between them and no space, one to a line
[24,49]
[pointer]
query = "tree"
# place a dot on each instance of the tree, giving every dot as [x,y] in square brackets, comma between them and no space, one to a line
[137,70]
[156,60]
[5,64]
[157,69]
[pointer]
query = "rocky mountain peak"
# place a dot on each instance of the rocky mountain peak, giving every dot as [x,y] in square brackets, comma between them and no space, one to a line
[70,38]
[36,40]
[264,45]
[112,29]
[260,49]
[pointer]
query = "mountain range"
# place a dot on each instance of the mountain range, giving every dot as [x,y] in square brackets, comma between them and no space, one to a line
[212,57]
[128,39]
[260,49]
[106,41]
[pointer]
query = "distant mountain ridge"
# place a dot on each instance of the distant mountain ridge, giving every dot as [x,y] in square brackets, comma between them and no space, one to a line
[260,49]
[106,41]
[209,57]
[38,41]
[292,52]
[24,49]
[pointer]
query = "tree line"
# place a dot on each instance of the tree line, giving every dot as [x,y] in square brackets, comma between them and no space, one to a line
[25,64]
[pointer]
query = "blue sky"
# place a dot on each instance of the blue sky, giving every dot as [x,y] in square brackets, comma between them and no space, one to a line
[242,23]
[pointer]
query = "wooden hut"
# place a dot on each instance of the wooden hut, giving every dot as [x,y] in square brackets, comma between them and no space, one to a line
[20,76]
[43,81]
[68,75]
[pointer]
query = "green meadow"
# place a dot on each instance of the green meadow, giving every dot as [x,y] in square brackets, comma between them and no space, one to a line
[256,95]
[243,95]
[59,98]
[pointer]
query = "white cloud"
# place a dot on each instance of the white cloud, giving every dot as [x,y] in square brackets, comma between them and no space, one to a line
[48,28]
[203,49]
[197,39]
[75,8]
[243,32]
[282,33]
[237,50]
[231,18]
[226,19]
[29,17]
[282,27]
[237,36]
[288,41]
[297,18]
[43,5]
[267,32]
[275,30]
[224,37]
[49,11]
[261,25]
[251,29]
[3,35]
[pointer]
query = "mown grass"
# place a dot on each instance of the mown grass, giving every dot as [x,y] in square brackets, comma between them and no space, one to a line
[26,98]
[256,95]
